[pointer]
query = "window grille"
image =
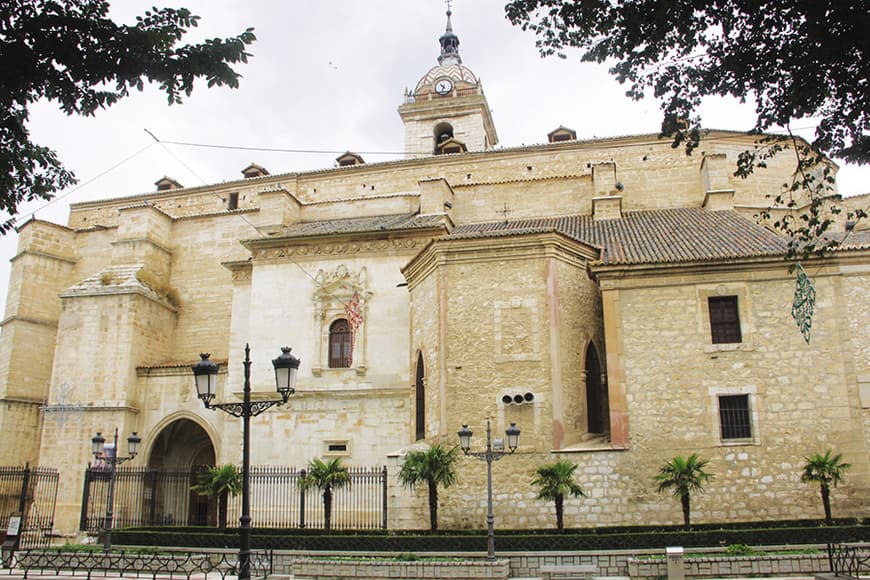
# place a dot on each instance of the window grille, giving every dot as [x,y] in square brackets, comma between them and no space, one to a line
[734,418]
[724,319]
[339,344]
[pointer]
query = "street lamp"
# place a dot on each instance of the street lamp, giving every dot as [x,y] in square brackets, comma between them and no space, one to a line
[494,452]
[205,373]
[110,456]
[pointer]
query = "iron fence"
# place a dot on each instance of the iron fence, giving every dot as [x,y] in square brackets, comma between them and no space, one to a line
[151,497]
[32,493]
[170,565]
[850,560]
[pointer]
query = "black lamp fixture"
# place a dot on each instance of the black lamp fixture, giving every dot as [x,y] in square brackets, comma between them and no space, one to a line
[494,451]
[111,459]
[205,373]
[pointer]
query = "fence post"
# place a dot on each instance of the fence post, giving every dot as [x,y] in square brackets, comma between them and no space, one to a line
[152,503]
[83,521]
[22,498]
[384,496]
[301,499]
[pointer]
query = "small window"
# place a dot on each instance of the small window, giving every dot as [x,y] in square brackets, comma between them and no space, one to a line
[734,417]
[724,319]
[339,344]
[336,448]
[233,201]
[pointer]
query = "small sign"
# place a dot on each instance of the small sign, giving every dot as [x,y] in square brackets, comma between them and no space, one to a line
[14,526]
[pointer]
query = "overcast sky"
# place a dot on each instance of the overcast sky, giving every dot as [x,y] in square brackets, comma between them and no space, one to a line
[328,75]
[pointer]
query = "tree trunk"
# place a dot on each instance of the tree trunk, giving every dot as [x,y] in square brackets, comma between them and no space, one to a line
[826,502]
[433,505]
[684,500]
[327,509]
[223,501]
[560,506]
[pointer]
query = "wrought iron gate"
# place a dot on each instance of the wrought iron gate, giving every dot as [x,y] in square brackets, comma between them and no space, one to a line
[31,492]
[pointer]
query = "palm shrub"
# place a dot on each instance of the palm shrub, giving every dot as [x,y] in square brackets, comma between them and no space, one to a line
[554,481]
[683,475]
[436,467]
[326,476]
[219,482]
[827,470]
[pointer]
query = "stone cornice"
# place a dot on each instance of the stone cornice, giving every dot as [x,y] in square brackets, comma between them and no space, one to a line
[332,245]
[836,263]
[142,291]
[146,240]
[537,245]
[241,270]
[29,320]
[180,369]
[42,255]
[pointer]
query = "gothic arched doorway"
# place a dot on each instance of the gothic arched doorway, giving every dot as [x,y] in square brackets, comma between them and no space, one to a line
[597,403]
[180,452]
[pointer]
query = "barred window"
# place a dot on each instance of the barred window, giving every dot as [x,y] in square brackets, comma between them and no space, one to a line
[724,319]
[339,344]
[734,417]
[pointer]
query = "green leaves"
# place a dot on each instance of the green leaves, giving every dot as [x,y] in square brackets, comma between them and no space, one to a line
[794,60]
[218,480]
[436,465]
[683,475]
[73,54]
[326,475]
[557,479]
[824,468]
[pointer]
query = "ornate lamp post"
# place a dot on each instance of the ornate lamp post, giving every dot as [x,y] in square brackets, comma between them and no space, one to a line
[494,452]
[113,460]
[205,372]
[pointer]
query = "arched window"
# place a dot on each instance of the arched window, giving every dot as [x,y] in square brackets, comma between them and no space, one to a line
[597,403]
[339,344]
[420,400]
[443,132]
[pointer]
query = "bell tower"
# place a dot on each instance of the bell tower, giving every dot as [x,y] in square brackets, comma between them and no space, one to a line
[447,111]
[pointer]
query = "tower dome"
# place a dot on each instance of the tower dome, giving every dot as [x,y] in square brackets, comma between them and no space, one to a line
[447,112]
[450,74]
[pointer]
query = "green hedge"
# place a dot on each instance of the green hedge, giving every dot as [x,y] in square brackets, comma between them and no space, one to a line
[510,540]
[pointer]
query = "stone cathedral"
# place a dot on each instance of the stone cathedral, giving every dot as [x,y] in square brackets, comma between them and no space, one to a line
[615,298]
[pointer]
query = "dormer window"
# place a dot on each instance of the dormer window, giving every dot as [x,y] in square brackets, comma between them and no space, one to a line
[254,170]
[562,134]
[348,159]
[167,183]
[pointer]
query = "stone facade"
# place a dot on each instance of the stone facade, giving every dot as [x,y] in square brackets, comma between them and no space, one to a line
[562,287]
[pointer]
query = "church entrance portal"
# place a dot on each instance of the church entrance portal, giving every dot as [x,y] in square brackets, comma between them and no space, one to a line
[183,449]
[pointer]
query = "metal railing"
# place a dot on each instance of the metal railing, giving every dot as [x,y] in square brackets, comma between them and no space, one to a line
[850,560]
[164,564]
[150,497]
[32,493]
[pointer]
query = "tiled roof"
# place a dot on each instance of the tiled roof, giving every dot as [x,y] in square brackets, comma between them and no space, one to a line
[649,237]
[855,240]
[392,223]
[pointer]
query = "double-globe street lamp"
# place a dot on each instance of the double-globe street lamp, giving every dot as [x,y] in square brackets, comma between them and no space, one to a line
[109,456]
[494,452]
[205,372]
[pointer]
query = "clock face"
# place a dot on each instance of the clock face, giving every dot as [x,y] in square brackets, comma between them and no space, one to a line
[443,86]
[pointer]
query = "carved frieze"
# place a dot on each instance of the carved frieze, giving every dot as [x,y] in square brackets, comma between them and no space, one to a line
[342,248]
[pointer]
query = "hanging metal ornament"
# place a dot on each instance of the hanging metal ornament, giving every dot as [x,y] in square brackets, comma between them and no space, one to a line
[804,303]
